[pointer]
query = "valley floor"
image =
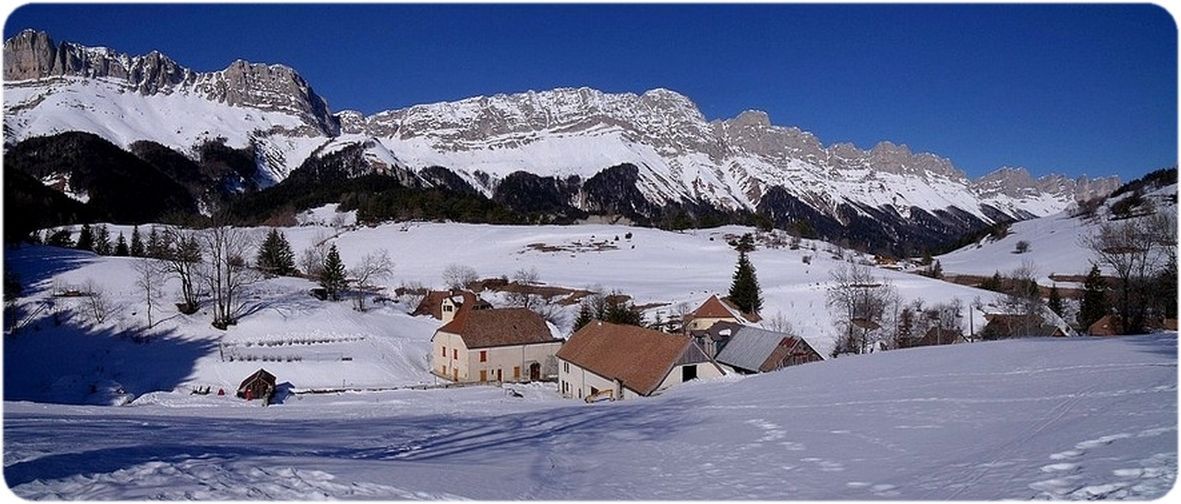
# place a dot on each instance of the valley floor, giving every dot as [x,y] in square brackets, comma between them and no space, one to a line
[1075,418]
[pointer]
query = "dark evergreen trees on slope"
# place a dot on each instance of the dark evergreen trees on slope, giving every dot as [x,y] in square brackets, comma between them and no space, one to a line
[619,310]
[744,290]
[137,243]
[60,238]
[332,280]
[85,239]
[275,256]
[585,316]
[1055,302]
[1094,304]
[102,240]
[121,249]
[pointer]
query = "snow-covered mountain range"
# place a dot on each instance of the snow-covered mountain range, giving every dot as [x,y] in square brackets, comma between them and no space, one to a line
[741,164]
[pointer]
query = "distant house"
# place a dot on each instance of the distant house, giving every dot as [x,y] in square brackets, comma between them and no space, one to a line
[443,305]
[1006,325]
[494,345]
[259,385]
[934,336]
[754,350]
[1107,325]
[715,310]
[625,362]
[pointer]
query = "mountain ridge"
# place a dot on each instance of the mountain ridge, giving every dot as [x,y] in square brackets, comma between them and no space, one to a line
[681,158]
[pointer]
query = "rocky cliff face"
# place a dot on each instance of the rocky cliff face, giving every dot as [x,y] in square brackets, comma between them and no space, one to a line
[33,55]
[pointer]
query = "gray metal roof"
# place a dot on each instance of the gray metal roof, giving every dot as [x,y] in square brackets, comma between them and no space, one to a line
[750,347]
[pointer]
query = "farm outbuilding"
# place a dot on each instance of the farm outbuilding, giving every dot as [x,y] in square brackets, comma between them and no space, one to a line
[260,385]
[1107,325]
[755,350]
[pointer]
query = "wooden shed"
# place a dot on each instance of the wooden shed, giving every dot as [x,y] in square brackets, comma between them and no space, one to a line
[260,385]
[1108,325]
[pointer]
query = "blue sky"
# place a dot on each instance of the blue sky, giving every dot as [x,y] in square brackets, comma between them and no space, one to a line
[1069,88]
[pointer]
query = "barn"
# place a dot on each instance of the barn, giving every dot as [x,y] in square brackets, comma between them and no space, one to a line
[755,350]
[260,385]
[624,361]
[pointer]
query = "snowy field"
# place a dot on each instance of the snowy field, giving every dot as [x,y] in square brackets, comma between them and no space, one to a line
[1077,418]
[313,344]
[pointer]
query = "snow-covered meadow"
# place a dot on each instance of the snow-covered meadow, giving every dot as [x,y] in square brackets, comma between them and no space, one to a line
[1061,418]
[1074,418]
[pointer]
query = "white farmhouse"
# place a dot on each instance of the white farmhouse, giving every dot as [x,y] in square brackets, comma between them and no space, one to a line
[494,345]
[623,362]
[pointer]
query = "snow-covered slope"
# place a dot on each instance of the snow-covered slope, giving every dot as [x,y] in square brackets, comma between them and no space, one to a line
[305,341]
[1075,418]
[1055,242]
[680,156]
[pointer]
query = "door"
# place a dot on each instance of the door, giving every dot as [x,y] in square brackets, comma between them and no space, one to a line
[483,375]
[534,371]
[454,374]
[689,373]
[498,375]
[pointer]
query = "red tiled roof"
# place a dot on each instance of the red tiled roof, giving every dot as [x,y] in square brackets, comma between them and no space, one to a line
[713,308]
[640,358]
[498,327]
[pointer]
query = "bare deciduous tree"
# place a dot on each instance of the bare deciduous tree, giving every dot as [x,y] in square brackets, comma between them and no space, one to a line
[98,304]
[459,276]
[372,267]
[226,271]
[311,260]
[860,301]
[779,323]
[523,298]
[1136,250]
[181,260]
[149,277]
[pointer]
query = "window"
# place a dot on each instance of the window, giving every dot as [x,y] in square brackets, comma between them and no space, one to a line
[566,367]
[483,356]
[444,352]
[517,372]
[689,373]
[455,353]
[446,308]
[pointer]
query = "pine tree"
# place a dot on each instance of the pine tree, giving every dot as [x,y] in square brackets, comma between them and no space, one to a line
[60,238]
[744,244]
[121,246]
[85,239]
[333,277]
[275,256]
[153,246]
[137,243]
[620,311]
[1055,302]
[905,329]
[585,316]
[744,290]
[102,240]
[1094,303]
